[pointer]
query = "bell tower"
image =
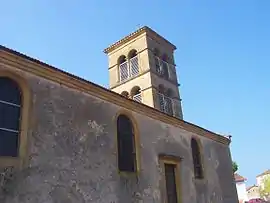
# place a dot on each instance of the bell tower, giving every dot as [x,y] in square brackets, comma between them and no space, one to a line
[142,68]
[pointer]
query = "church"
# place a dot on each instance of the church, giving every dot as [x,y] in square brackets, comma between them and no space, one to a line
[65,139]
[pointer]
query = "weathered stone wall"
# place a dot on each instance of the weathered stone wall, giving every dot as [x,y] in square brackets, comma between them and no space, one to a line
[72,155]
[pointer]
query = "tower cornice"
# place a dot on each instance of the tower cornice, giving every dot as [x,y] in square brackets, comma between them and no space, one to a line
[135,34]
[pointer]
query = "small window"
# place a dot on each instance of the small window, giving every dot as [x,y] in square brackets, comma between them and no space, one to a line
[126,145]
[196,155]
[10,110]
[170,183]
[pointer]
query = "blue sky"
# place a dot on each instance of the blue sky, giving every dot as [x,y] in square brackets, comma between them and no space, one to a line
[223,56]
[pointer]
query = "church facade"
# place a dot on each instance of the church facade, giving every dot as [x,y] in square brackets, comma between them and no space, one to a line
[65,139]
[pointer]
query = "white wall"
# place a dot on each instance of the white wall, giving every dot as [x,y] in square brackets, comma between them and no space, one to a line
[241,191]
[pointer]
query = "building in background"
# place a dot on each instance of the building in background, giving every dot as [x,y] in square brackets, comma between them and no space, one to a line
[253,192]
[240,182]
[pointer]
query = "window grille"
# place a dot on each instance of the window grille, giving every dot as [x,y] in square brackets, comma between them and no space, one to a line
[137,97]
[124,71]
[134,66]
[163,68]
[129,69]
[166,104]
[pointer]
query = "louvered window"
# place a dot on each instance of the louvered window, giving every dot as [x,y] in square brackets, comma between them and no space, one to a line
[126,144]
[171,190]
[196,155]
[10,108]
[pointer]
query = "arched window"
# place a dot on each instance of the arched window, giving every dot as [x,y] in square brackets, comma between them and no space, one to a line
[170,93]
[10,113]
[121,59]
[126,144]
[136,94]
[123,68]
[165,68]
[133,63]
[132,54]
[196,155]
[125,94]
[157,61]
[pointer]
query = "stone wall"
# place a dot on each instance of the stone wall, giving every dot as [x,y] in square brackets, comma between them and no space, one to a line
[72,155]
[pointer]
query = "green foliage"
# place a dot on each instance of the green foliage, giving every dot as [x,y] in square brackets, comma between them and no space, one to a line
[234,166]
[265,188]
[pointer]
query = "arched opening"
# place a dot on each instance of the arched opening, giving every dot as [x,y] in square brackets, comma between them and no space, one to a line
[196,155]
[125,94]
[164,57]
[161,89]
[10,116]
[170,93]
[157,60]
[133,62]
[156,52]
[136,94]
[132,54]
[126,144]
[169,101]
[123,68]
[165,66]
[122,59]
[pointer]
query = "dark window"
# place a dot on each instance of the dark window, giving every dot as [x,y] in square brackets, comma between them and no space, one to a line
[198,172]
[165,70]
[10,107]
[170,183]
[126,145]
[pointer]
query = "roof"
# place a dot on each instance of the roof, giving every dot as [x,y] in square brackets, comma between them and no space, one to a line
[264,173]
[135,34]
[239,178]
[41,69]
[250,187]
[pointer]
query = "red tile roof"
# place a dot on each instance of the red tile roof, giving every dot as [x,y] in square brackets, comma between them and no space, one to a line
[252,186]
[239,178]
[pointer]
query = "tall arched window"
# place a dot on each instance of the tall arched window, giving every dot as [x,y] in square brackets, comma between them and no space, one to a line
[165,69]
[196,155]
[133,63]
[123,68]
[10,113]
[126,144]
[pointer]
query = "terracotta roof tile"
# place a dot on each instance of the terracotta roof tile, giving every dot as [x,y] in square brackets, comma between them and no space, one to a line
[239,178]
[252,186]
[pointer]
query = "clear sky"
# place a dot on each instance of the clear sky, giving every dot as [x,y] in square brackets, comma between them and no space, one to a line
[223,56]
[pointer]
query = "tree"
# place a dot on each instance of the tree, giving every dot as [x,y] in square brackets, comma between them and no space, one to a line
[234,166]
[265,188]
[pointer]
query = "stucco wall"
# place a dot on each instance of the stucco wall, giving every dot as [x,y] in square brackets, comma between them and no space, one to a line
[72,155]
[241,191]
